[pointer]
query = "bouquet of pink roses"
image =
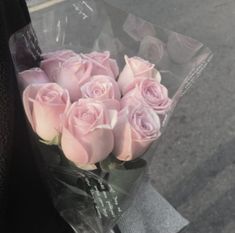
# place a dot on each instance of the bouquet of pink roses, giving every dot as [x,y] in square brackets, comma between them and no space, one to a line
[74,101]
[98,101]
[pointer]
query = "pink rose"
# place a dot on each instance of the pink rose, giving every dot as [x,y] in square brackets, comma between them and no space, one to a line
[101,87]
[137,127]
[63,54]
[53,61]
[71,74]
[136,67]
[87,135]
[102,64]
[44,104]
[32,76]
[150,92]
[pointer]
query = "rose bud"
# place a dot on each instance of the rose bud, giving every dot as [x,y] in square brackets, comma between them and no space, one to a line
[136,128]
[87,135]
[32,76]
[44,104]
[136,67]
[102,64]
[150,92]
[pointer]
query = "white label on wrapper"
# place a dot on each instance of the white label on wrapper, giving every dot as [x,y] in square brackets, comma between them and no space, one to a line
[105,198]
[83,9]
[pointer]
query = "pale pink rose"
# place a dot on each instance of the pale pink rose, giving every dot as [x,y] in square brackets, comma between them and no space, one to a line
[103,64]
[87,136]
[63,54]
[101,87]
[53,61]
[71,74]
[149,92]
[32,76]
[44,105]
[136,67]
[136,128]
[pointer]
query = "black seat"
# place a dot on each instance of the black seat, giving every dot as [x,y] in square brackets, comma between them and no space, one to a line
[25,205]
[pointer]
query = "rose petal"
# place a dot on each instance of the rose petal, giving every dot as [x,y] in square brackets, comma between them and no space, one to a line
[52,67]
[45,117]
[100,143]
[123,137]
[32,76]
[73,149]
[29,94]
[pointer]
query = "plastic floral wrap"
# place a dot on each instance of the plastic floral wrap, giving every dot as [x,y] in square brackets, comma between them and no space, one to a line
[98,87]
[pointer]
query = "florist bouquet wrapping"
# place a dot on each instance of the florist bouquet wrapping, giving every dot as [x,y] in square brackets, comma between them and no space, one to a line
[98,87]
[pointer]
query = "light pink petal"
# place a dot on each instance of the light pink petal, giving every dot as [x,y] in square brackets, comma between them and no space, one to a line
[103,78]
[132,98]
[141,67]
[100,143]
[123,137]
[114,67]
[73,74]
[73,149]
[102,64]
[69,81]
[32,76]
[157,75]
[112,104]
[52,67]
[28,95]
[126,77]
[47,119]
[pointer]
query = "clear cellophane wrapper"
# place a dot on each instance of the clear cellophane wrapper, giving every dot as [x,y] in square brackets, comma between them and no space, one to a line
[93,201]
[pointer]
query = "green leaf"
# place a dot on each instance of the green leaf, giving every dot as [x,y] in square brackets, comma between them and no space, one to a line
[55,141]
[88,167]
[111,163]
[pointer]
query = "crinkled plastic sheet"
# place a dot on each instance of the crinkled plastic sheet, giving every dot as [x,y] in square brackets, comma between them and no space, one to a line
[94,201]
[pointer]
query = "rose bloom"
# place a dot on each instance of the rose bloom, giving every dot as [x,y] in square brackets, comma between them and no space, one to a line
[87,136]
[53,61]
[32,76]
[102,64]
[150,92]
[101,87]
[136,67]
[137,127]
[44,104]
[71,74]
